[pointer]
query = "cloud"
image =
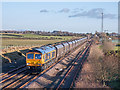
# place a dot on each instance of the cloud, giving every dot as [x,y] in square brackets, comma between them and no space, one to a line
[110,16]
[94,13]
[64,10]
[44,10]
[76,10]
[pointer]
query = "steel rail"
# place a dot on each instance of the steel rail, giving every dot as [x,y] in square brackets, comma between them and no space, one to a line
[12,70]
[69,70]
[79,69]
[11,76]
[8,86]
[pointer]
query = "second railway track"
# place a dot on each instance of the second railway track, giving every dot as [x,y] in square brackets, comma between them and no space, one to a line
[70,75]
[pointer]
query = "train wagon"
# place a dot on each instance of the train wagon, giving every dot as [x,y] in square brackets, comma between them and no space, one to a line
[59,51]
[66,47]
[73,44]
[70,46]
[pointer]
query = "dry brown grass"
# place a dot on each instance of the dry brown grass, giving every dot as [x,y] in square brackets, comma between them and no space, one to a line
[87,78]
[105,68]
[95,59]
[107,46]
[98,69]
[110,68]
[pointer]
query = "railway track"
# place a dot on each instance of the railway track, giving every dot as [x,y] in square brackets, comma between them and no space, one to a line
[22,78]
[75,76]
[2,75]
[67,81]
[12,76]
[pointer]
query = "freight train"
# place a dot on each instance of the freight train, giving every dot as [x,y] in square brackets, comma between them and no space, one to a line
[41,58]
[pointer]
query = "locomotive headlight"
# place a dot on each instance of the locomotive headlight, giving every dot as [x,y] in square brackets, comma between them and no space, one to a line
[28,63]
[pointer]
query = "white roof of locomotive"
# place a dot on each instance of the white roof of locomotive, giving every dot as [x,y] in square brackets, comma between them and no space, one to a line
[45,49]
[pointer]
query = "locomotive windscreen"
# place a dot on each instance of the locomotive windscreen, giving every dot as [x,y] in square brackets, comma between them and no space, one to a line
[37,56]
[30,56]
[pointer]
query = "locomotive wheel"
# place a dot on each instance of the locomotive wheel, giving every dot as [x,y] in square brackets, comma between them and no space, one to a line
[44,67]
[52,61]
[48,64]
[55,60]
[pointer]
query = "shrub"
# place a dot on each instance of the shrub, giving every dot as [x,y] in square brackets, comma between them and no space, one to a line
[107,46]
[105,68]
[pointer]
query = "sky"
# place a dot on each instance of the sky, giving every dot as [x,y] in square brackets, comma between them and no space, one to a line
[77,17]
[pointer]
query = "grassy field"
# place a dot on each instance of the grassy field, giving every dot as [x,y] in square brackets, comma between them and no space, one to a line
[36,36]
[10,35]
[117,47]
[39,36]
[11,45]
[20,42]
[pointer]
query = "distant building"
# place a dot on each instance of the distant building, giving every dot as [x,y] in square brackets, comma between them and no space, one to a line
[114,34]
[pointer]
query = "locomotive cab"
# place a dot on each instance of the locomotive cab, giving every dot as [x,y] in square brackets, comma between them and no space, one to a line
[34,61]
